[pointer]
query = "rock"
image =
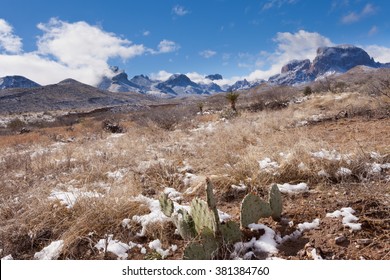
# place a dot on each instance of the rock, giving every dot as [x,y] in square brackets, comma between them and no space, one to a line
[364,241]
[340,240]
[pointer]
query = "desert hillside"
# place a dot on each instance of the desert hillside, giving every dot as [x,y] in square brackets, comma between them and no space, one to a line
[71,188]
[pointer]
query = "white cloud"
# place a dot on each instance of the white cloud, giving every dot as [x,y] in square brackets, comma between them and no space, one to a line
[207,53]
[146,33]
[166,46]
[69,50]
[80,44]
[162,75]
[299,45]
[373,30]
[277,3]
[179,10]
[8,41]
[379,53]
[352,17]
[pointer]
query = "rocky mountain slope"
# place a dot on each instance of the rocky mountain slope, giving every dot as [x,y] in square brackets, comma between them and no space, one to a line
[329,60]
[16,82]
[177,84]
[66,95]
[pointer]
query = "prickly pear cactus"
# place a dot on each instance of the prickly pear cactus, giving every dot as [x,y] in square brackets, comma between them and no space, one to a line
[275,202]
[184,224]
[211,202]
[230,232]
[166,205]
[202,249]
[203,217]
[252,209]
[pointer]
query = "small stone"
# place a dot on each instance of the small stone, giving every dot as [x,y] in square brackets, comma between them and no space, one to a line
[364,241]
[341,239]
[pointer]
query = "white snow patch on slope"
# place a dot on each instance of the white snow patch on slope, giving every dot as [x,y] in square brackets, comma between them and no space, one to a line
[269,241]
[155,215]
[70,197]
[348,218]
[293,189]
[50,252]
[113,246]
[268,165]
[156,245]
[7,258]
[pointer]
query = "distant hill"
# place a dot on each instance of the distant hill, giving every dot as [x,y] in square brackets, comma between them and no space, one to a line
[16,82]
[66,95]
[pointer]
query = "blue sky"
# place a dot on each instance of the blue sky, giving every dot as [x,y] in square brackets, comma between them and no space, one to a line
[48,41]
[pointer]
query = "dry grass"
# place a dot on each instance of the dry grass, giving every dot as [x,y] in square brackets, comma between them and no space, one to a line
[148,157]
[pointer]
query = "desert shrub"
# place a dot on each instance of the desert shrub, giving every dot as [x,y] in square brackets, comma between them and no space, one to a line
[16,124]
[307,91]
[232,97]
[167,117]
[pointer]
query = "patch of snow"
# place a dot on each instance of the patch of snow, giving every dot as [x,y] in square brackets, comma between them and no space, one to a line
[331,155]
[173,194]
[117,175]
[343,171]
[143,166]
[7,258]
[155,215]
[50,252]
[268,165]
[302,166]
[143,251]
[156,245]
[240,188]
[348,218]
[323,173]
[126,223]
[302,227]
[314,255]
[113,246]
[223,216]
[116,135]
[293,189]
[70,197]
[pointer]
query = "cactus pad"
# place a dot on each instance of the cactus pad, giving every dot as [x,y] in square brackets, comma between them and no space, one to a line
[230,232]
[184,224]
[275,202]
[202,215]
[252,209]
[166,205]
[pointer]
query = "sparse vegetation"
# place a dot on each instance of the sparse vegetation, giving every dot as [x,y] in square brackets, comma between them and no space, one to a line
[82,185]
[232,97]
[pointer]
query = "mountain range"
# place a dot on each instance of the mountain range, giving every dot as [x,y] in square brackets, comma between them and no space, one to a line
[329,60]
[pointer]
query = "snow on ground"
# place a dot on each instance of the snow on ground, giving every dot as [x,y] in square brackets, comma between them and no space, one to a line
[7,258]
[240,188]
[331,155]
[268,165]
[314,255]
[118,174]
[50,252]
[343,171]
[376,168]
[348,218]
[69,198]
[173,194]
[207,127]
[155,215]
[293,189]
[114,246]
[268,243]
[156,245]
